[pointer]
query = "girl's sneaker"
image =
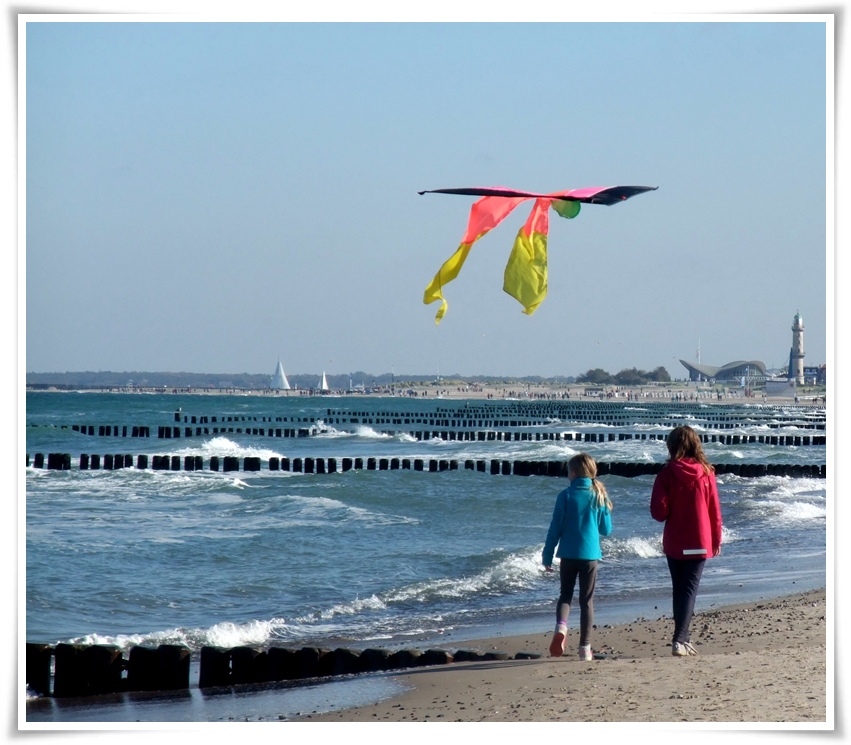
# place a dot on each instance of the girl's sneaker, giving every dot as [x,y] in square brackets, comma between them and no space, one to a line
[557,644]
[585,653]
[683,649]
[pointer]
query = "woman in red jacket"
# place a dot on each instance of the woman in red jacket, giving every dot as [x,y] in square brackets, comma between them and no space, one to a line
[685,498]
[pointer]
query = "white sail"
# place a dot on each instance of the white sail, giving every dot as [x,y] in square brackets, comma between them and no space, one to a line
[279,380]
[324,385]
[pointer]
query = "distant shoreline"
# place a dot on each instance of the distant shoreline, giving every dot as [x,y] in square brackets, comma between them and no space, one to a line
[648,394]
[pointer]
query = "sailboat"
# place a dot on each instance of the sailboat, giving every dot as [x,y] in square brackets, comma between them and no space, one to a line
[279,379]
[323,386]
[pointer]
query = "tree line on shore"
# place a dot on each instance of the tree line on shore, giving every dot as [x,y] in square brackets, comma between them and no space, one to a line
[631,376]
[252,381]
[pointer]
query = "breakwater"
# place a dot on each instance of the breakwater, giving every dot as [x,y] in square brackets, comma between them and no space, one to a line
[170,432]
[75,670]
[478,420]
[308,465]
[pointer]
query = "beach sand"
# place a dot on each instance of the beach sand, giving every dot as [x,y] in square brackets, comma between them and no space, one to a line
[764,661]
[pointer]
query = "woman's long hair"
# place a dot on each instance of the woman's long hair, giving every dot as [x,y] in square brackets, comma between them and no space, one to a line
[584,466]
[683,442]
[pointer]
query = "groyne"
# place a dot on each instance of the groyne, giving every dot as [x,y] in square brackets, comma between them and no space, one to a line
[78,670]
[314,465]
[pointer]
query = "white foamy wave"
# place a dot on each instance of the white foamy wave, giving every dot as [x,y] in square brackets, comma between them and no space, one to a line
[515,572]
[329,432]
[405,437]
[792,512]
[558,450]
[318,510]
[225,635]
[346,609]
[623,549]
[786,487]
[369,433]
[235,634]
[646,427]
[224,447]
[728,535]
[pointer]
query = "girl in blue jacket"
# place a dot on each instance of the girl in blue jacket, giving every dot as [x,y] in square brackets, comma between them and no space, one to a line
[583,513]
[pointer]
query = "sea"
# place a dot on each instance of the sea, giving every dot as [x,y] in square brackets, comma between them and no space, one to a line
[395,558]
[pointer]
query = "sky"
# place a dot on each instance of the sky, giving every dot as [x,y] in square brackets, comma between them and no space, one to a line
[210,197]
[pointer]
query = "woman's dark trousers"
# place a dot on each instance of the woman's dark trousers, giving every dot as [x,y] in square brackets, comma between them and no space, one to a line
[685,578]
[586,572]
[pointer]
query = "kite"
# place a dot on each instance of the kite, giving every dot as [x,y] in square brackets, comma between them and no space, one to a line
[525,276]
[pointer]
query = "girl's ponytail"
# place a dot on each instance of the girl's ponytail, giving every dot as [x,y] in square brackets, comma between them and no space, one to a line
[599,488]
[583,465]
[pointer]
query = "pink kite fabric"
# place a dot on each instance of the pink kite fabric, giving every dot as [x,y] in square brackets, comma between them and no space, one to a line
[525,277]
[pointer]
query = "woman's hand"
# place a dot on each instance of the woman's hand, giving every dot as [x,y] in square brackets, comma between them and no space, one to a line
[717,551]
[549,568]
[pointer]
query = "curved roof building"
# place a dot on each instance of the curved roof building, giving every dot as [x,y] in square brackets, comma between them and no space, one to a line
[730,371]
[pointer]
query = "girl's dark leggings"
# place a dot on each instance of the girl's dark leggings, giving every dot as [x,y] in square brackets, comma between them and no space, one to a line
[586,572]
[685,578]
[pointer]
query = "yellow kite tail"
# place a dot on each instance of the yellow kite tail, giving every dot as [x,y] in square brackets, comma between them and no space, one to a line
[525,277]
[485,214]
[446,273]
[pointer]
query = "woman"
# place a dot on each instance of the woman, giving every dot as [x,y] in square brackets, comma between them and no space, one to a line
[685,498]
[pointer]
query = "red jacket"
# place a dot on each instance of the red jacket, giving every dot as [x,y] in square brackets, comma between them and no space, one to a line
[685,498]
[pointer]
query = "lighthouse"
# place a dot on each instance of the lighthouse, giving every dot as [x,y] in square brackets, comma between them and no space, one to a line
[796,355]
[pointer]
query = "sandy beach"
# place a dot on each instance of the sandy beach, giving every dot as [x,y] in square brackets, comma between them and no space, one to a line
[764,661]
[513,391]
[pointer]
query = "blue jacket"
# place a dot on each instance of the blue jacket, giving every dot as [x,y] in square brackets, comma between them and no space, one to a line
[577,524]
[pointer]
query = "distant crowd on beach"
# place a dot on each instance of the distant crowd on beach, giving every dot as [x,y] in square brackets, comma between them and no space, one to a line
[535,391]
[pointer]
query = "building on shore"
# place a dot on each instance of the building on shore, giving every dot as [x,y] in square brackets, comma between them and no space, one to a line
[731,371]
[795,372]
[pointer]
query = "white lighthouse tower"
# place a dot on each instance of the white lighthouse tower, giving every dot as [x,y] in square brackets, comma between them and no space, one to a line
[796,356]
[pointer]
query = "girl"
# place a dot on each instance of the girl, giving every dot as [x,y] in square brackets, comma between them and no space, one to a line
[685,498]
[581,515]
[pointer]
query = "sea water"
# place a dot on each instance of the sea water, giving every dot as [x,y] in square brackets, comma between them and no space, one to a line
[394,558]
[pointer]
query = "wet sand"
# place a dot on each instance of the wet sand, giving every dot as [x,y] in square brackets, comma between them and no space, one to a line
[764,661]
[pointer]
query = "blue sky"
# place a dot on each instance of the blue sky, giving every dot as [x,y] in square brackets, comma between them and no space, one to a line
[209,197]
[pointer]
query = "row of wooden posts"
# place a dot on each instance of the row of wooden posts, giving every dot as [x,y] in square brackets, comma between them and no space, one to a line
[62,461]
[460,435]
[88,670]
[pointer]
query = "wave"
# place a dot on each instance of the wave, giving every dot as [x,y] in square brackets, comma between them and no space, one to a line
[319,510]
[224,634]
[637,547]
[368,433]
[517,571]
[624,549]
[791,513]
[222,447]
